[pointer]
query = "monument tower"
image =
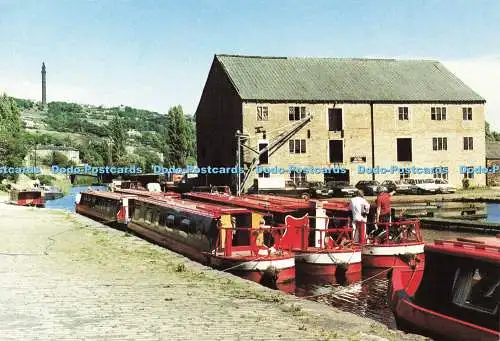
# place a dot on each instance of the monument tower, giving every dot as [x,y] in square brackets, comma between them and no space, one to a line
[44,86]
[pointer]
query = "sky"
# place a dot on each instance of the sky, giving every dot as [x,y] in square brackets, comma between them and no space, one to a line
[154,54]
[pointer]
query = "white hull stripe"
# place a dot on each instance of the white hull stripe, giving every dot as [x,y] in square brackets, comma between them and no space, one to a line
[374,250]
[256,265]
[330,258]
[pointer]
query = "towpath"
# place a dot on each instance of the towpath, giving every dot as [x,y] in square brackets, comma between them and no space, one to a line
[65,277]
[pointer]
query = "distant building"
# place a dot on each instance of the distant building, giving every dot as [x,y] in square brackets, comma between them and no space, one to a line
[366,112]
[42,152]
[493,158]
[133,133]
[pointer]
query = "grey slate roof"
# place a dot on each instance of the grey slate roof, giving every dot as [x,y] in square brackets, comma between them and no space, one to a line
[493,150]
[342,79]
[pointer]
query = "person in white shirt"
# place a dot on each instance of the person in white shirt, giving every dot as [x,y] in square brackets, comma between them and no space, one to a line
[360,209]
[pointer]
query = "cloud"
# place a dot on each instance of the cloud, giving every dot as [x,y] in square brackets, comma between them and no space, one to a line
[483,76]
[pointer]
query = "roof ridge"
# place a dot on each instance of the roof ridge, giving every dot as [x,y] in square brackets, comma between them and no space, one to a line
[329,58]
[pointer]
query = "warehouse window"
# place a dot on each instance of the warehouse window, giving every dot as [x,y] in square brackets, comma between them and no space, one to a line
[467,113]
[336,151]
[439,143]
[404,149]
[297,146]
[469,174]
[262,114]
[403,113]
[438,113]
[296,113]
[468,143]
[335,119]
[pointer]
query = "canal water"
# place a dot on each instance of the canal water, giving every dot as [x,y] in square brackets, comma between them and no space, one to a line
[68,201]
[364,294]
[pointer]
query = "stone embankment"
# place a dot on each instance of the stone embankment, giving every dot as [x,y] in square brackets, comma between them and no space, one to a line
[65,277]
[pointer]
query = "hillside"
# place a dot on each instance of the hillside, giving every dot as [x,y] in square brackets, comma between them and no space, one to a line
[89,128]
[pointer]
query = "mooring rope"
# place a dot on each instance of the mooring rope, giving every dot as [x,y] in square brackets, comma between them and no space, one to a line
[349,286]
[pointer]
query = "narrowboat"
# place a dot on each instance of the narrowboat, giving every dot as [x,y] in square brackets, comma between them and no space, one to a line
[149,194]
[321,244]
[456,296]
[385,245]
[222,237]
[398,243]
[106,207]
[329,247]
[32,197]
[51,192]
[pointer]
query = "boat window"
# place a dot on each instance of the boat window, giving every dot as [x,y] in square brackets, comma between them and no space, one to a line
[163,219]
[137,212]
[149,215]
[170,220]
[156,218]
[477,289]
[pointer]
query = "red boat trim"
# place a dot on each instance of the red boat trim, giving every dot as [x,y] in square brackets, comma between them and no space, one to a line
[468,324]
[485,252]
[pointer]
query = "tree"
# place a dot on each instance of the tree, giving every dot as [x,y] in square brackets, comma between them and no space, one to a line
[127,160]
[150,157]
[60,159]
[118,139]
[12,147]
[10,118]
[176,139]
[491,135]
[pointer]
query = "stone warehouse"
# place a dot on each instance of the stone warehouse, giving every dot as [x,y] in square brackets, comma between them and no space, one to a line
[354,112]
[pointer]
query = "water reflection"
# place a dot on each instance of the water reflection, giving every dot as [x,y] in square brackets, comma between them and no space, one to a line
[493,212]
[363,294]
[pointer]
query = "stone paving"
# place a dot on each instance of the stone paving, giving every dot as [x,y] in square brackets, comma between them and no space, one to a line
[65,277]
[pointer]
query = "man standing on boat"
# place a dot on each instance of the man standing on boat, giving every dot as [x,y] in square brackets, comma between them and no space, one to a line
[360,209]
[383,203]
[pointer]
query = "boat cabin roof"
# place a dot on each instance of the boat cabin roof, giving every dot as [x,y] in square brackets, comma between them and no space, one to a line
[335,205]
[482,248]
[204,209]
[109,195]
[284,201]
[243,201]
[142,192]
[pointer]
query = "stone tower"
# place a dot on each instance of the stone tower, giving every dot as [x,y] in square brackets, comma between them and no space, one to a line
[44,86]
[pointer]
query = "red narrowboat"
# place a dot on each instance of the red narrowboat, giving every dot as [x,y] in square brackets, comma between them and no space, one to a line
[105,207]
[386,245]
[215,235]
[32,197]
[456,296]
[321,244]
[394,244]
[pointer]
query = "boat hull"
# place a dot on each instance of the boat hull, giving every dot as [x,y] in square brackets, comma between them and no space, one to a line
[411,317]
[327,262]
[170,243]
[53,195]
[392,255]
[255,270]
[29,202]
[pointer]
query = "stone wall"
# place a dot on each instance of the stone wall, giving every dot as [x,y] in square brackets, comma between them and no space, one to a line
[356,137]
